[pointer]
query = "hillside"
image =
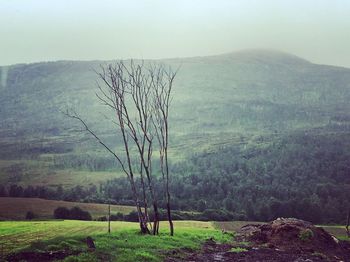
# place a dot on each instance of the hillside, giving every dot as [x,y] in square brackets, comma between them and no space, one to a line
[248,92]
[256,118]
[16,208]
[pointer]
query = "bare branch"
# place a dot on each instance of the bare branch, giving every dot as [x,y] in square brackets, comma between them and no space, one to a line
[77,117]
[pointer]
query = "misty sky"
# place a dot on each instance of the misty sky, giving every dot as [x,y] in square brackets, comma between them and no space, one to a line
[46,30]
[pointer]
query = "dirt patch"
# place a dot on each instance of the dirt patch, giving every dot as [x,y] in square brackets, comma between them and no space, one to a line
[212,251]
[40,256]
[290,234]
[287,240]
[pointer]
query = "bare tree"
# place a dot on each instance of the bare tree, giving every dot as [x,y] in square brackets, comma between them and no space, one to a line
[162,82]
[139,99]
[128,170]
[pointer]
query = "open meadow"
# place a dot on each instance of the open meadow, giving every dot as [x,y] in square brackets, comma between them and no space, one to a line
[65,240]
[123,244]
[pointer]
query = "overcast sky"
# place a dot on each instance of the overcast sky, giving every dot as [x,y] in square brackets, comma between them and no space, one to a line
[46,30]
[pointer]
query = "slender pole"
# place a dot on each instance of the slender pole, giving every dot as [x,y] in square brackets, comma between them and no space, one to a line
[347,224]
[109,218]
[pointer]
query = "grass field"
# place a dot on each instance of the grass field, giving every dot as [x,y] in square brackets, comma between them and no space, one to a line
[123,244]
[12,208]
[41,172]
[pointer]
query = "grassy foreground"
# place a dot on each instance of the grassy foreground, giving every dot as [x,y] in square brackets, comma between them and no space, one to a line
[123,244]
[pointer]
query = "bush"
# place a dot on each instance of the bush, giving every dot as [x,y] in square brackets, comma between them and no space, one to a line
[216,215]
[74,213]
[79,214]
[132,217]
[103,218]
[61,213]
[117,217]
[30,215]
[306,235]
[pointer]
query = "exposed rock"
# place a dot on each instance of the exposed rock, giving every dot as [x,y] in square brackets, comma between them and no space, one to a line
[90,243]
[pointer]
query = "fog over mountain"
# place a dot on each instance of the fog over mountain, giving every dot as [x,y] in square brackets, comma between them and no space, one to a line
[155,130]
[39,30]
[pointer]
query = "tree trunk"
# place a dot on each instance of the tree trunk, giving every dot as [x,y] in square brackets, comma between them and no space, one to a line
[171,225]
[143,223]
[156,219]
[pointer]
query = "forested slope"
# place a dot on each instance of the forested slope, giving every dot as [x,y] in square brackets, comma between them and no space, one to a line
[259,133]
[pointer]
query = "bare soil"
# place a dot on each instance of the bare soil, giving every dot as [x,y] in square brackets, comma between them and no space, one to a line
[39,256]
[287,240]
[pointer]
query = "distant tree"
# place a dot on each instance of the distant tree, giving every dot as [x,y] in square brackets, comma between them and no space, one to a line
[61,213]
[79,214]
[29,192]
[15,191]
[59,192]
[3,191]
[132,216]
[73,213]
[30,215]
[201,205]
[117,217]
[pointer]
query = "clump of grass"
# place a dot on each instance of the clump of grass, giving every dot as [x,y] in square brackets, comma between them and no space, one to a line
[238,250]
[306,235]
[244,243]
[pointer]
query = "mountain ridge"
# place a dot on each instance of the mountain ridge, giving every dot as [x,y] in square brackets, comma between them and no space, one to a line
[218,101]
[262,52]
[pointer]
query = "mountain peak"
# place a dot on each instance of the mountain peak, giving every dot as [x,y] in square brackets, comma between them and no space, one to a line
[265,56]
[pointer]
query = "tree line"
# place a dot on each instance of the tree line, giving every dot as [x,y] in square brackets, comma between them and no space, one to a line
[298,175]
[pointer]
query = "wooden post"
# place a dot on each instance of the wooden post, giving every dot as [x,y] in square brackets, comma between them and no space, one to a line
[348,224]
[109,218]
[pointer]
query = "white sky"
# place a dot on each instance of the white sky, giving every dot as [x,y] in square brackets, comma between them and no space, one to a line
[46,30]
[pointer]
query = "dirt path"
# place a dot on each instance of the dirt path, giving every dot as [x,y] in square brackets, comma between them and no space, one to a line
[212,251]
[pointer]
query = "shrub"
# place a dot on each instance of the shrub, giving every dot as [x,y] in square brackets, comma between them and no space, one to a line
[103,218]
[74,213]
[306,234]
[30,215]
[79,214]
[117,217]
[216,215]
[61,213]
[132,217]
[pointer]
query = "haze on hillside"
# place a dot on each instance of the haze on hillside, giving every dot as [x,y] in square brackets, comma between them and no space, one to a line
[39,30]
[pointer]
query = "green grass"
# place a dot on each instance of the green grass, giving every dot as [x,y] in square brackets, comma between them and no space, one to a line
[123,244]
[238,250]
[337,231]
[42,172]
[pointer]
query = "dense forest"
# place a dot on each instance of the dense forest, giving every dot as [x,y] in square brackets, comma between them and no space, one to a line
[254,135]
[300,175]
